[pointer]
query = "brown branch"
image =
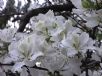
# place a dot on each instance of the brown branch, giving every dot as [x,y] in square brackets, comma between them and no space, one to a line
[40,68]
[56,8]
[8,64]
[12,64]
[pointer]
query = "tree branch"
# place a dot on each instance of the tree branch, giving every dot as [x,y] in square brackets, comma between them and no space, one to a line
[56,8]
[8,64]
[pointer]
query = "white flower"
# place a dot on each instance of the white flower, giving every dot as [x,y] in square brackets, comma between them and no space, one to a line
[7,34]
[40,27]
[95,17]
[77,43]
[26,50]
[99,13]
[54,61]
[92,19]
[99,50]
[71,67]
[48,18]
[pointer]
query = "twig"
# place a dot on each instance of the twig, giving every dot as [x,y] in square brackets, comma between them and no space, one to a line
[40,68]
[28,71]
[9,64]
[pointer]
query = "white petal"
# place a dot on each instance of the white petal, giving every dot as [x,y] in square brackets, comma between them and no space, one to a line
[92,23]
[37,54]
[14,55]
[18,66]
[84,37]
[50,13]
[71,52]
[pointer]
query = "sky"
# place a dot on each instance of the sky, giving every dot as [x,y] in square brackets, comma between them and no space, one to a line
[23,1]
[16,2]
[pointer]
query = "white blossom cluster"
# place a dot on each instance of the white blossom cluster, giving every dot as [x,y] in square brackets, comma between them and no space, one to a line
[54,44]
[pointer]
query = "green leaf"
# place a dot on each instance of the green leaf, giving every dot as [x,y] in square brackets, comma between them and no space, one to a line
[99,36]
[87,4]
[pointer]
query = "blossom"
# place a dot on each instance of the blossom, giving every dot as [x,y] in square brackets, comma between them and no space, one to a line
[7,34]
[93,18]
[54,43]
[99,50]
[55,28]
[54,61]
[77,43]
[26,50]
[72,67]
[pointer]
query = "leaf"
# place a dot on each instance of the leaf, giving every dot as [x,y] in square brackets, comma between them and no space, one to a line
[99,36]
[87,4]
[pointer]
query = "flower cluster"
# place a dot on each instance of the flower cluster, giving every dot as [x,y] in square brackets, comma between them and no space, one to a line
[56,46]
